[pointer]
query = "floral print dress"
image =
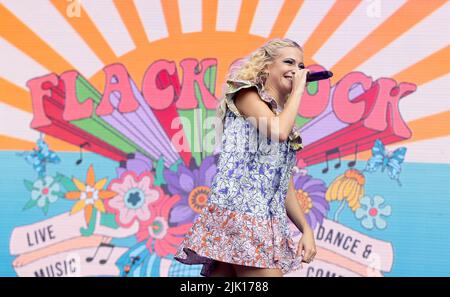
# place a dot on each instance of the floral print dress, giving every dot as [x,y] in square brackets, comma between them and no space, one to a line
[245,221]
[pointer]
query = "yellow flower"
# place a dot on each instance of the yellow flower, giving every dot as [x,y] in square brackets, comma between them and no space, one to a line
[90,195]
[349,185]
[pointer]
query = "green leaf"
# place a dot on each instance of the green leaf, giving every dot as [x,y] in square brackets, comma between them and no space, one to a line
[45,208]
[108,220]
[31,203]
[66,182]
[28,185]
[59,194]
[159,169]
[90,229]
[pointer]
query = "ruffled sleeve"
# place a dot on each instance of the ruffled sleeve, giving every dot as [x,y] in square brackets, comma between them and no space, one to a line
[234,85]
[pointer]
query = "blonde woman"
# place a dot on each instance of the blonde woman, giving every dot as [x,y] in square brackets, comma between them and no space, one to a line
[243,230]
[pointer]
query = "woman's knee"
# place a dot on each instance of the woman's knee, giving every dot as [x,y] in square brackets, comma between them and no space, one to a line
[222,269]
[248,271]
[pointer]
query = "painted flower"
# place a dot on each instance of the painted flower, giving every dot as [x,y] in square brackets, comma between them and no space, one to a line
[44,190]
[161,238]
[371,212]
[347,187]
[193,186]
[90,195]
[310,193]
[134,196]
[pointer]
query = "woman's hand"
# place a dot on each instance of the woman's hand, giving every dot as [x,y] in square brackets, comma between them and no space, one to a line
[299,81]
[307,246]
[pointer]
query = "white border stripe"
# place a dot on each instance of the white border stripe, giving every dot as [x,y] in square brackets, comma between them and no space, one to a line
[420,41]
[356,27]
[308,18]
[152,18]
[433,150]
[43,19]
[428,99]
[265,16]
[190,15]
[105,16]
[15,123]
[16,67]
[228,15]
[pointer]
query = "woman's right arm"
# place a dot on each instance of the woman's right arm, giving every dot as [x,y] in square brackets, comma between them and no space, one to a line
[259,114]
[290,110]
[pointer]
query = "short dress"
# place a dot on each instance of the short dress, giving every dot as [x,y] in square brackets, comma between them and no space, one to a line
[244,221]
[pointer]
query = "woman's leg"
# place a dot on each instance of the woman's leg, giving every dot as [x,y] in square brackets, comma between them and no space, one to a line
[248,271]
[222,269]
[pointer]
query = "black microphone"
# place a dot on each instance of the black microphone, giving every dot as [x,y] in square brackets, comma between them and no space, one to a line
[318,75]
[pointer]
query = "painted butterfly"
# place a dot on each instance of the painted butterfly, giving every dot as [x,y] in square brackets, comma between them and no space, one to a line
[381,158]
[40,157]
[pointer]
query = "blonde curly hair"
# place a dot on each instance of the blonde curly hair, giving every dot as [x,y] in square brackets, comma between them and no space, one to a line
[252,67]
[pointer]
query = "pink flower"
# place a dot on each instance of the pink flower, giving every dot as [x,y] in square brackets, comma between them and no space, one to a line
[135,195]
[162,238]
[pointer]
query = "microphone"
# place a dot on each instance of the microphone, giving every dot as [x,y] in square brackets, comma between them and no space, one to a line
[318,75]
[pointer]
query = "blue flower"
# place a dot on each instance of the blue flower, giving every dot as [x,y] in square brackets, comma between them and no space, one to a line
[44,190]
[371,212]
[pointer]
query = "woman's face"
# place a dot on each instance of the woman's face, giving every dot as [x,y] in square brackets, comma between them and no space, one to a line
[289,58]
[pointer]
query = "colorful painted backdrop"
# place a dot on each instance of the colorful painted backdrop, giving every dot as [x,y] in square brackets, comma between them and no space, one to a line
[107,146]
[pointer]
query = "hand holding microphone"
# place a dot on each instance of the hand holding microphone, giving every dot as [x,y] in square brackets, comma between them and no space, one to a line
[302,76]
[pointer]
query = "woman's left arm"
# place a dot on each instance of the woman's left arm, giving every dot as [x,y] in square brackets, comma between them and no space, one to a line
[306,245]
[294,210]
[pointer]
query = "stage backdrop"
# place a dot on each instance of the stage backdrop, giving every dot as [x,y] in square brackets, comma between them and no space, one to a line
[107,139]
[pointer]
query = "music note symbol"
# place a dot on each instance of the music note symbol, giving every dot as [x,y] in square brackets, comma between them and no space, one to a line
[353,162]
[105,260]
[78,162]
[330,152]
